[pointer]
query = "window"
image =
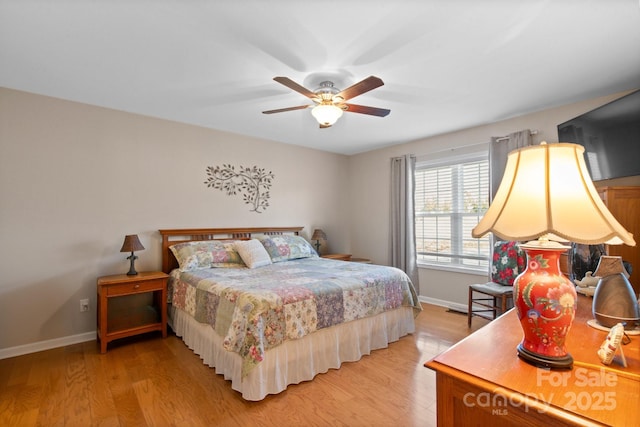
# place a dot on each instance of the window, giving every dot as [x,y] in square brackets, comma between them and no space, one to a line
[451,197]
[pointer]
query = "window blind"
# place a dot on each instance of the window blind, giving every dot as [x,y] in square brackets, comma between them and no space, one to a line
[450,200]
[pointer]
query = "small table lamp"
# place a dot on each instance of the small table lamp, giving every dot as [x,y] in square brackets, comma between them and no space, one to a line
[546,194]
[317,236]
[131,244]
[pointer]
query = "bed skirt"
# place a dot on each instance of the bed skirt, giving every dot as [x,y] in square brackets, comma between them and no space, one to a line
[293,361]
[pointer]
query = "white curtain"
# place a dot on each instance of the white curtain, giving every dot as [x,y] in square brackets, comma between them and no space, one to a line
[498,151]
[403,229]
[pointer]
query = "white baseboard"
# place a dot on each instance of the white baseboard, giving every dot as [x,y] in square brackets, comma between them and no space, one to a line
[443,303]
[19,350]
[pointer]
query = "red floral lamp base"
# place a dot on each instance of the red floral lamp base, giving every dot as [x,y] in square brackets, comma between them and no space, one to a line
[546,303]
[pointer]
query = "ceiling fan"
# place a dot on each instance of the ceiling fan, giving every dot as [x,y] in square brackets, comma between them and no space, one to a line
[329,102]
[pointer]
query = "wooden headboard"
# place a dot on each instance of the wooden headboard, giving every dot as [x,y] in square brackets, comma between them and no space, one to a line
[181,235]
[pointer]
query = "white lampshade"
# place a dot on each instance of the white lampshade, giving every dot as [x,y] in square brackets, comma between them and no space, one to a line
[546,189]
[326,114]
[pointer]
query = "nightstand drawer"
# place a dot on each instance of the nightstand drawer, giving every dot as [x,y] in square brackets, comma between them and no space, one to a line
[135,287]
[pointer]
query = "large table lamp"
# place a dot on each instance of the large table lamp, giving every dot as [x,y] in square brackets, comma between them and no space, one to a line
[546,197]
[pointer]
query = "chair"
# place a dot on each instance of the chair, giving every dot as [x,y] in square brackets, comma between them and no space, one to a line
[507,261]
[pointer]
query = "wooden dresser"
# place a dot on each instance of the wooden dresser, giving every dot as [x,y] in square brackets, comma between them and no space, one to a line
[481,381]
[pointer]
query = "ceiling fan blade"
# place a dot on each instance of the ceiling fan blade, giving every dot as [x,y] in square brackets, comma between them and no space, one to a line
[282,110]
[295,86]
[362,109]
[361,87]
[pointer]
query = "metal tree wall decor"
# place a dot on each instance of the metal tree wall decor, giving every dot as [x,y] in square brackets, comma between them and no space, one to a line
[253,183]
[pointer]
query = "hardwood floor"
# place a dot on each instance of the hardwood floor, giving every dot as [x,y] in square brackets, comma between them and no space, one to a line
[150,381]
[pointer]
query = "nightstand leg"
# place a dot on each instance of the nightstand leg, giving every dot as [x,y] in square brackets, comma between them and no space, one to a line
[102,322]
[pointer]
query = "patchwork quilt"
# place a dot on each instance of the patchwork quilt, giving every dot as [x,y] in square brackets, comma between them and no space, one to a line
[257,309]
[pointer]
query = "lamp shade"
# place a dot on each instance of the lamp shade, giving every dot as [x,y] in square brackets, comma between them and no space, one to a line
[318,235]
[131,244]
[326,114]
[546,189]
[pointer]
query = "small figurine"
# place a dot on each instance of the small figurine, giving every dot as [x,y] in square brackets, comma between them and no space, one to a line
[611,345]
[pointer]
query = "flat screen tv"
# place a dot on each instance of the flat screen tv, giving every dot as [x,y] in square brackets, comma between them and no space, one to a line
[611,137]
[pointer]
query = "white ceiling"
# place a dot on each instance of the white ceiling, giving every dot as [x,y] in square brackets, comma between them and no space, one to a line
[446,64]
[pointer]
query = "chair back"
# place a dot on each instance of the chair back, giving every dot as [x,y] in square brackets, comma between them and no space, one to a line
[507,262]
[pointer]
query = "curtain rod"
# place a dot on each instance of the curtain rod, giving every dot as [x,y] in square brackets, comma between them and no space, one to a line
[444,150]
[502,138]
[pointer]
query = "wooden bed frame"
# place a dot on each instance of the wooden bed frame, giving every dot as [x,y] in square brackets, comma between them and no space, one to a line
[180,235]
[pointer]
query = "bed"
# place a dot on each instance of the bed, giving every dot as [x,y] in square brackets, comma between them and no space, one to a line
[262,308]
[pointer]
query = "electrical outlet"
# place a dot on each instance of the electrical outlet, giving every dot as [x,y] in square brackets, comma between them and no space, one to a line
[84,305]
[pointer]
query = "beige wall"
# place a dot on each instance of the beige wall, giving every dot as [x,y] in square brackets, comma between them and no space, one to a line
[369,188]
[74,179]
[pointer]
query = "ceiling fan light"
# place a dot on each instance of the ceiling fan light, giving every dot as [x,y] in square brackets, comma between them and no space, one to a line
[326,115]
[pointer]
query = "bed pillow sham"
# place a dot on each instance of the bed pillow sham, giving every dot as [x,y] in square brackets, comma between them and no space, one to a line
[207,254]
[253,253]
[285,247]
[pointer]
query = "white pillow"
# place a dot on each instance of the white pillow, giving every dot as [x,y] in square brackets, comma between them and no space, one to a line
[252,253]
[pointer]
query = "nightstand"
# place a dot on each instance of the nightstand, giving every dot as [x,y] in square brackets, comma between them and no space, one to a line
[341,257]
[346,257]
[114,322]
